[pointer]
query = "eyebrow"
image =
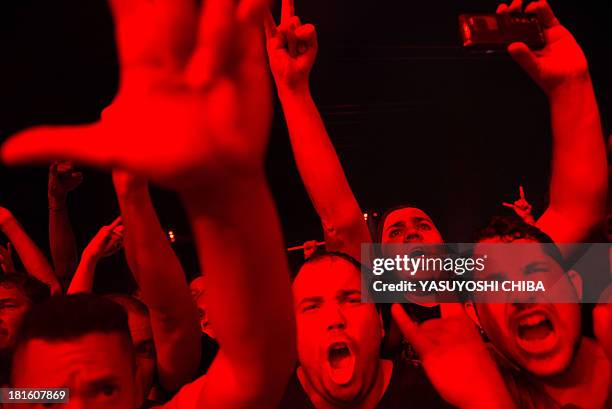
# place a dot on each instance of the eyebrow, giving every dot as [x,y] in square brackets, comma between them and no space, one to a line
[535,265]
[396,224]
[348,293]
[310,299]
[104,380]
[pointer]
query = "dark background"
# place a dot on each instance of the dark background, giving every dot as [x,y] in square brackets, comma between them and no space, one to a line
[412,116]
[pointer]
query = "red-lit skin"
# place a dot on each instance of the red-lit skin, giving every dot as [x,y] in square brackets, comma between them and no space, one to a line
[292,49]
[500,320]
[98,368]
[32,258]
[161,280]
[410,225]
[578,178]
[62,179]
[455,358]
[13,307]
[575,369]
[193,115]
[602,321]
[144,352]
[107,241]
[198,294]
[328,308]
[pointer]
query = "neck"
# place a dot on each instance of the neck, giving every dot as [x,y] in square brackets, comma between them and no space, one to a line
[586,383]
[368,400]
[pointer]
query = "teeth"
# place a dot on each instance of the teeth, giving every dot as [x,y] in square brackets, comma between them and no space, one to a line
[532,320]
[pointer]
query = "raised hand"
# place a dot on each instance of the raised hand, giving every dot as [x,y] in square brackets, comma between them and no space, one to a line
[522,207]
[602,321]
[562,59]
[292,48]
[193,100]
[6,259]
[106,242]
[62,179]
[455,358]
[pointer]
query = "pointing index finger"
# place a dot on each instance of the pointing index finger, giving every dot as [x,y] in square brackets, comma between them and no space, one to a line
[287,11]
[522,192]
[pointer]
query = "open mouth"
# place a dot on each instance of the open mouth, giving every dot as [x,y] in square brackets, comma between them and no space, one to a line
[340,363]
[535,333]
[417,252]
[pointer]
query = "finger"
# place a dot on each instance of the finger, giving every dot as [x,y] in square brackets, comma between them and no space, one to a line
[287,11]
[516,6]
[77,175]
[291,41]
[524,57]
[175,25]
[86,144]
[306,33]
[545,14]
[511,206]
[502,8]
[53,168]
[269,25]
[216,29]
[409,328]
[522,192]
[115,223]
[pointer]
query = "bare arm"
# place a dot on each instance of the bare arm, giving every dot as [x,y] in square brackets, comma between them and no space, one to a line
[107,241]
[201,131]
[32,258]
[161,279]
[292,50]
[62,179]
[253,274]
[578,183]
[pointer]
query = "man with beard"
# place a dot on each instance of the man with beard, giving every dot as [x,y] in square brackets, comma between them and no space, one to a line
[546,361]
[339,339]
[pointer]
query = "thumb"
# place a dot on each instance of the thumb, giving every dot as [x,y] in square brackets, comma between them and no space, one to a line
[85,143]
[524,57]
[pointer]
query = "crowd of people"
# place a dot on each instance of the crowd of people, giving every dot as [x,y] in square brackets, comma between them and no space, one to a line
[193,115]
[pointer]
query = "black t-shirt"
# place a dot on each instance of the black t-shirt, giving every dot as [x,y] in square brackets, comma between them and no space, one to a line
[408,388]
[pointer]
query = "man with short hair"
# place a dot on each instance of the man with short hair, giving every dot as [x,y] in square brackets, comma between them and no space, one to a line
[339,339]
[546,360]
[17,294]
[81,342]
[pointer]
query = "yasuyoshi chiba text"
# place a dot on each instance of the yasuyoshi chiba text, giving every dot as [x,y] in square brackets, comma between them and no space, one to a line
[475,286]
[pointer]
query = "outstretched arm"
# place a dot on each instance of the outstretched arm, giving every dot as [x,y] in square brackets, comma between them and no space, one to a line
[578,183]
[32,258]
[193,114]
[292,49]
[62,179]
[162,282]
